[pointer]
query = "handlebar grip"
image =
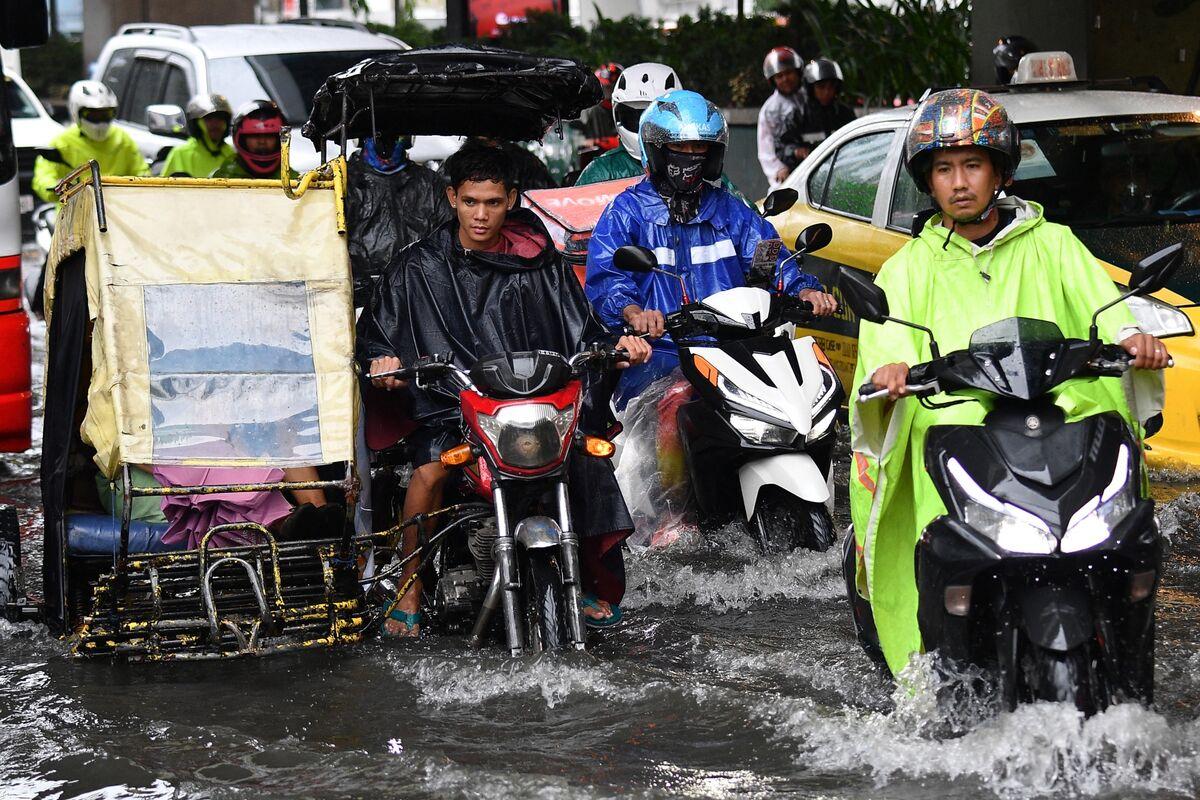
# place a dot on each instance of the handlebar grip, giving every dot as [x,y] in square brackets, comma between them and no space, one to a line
[867,388]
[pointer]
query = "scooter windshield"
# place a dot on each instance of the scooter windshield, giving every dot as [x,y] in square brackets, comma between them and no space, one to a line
[1017,355]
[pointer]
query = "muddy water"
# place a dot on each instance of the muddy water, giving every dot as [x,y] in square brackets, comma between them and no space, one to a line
[736,676]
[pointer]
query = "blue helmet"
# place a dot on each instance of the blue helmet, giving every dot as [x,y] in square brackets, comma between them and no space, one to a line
[683,116]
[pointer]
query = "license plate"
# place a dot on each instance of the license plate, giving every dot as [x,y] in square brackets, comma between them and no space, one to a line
[26,203]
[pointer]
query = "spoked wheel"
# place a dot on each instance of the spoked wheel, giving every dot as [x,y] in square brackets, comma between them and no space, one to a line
[782,522]
[544,597]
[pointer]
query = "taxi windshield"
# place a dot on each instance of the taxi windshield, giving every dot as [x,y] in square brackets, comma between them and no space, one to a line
[1111,172]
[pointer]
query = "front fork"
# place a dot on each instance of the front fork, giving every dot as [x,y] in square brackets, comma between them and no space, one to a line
[504,552]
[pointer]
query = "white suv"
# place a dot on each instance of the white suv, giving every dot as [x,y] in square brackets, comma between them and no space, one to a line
[153,64]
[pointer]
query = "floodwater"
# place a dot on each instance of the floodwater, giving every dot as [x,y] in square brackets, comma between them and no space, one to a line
[735,676]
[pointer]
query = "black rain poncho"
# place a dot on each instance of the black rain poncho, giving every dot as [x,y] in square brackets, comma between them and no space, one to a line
[386,213]
[437,298]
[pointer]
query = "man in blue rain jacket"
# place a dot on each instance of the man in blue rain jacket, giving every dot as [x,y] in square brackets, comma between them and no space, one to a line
[696,229]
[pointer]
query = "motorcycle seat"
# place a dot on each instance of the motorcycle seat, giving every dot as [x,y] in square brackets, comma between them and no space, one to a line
[99,534]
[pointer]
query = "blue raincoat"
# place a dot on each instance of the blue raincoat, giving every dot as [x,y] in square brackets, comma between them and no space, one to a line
[713,252]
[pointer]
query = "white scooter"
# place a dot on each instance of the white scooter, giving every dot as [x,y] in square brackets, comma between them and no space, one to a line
[759,436]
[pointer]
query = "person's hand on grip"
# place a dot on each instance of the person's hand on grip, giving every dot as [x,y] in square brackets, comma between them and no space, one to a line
[823,304]
[1147,351]
[643,321]
[386,364]
[894,378]
[637,348]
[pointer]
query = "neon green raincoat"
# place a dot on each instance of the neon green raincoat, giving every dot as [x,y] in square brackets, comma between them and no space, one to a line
[116,155]
[195,158]
[1032,268]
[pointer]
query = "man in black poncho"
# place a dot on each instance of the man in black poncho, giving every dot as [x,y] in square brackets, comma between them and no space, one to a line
[489,280]
[390,203]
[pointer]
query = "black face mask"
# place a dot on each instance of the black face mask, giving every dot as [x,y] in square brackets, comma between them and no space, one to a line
[685,171]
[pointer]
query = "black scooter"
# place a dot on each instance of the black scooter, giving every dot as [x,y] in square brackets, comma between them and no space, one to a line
[1044,571]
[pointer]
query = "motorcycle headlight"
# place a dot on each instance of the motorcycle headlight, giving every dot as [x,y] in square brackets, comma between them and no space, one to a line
[528,435]
[749,401]
[761,432]
[1095,521]
[1013,529]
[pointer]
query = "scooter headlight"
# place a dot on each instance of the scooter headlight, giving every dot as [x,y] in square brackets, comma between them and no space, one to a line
[528,435]
[1094,522]
[749,401]
[760,432]
[1013,529]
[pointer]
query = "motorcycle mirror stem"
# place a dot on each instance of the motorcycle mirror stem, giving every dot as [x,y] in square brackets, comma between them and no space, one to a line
[870,302]
[1147,277]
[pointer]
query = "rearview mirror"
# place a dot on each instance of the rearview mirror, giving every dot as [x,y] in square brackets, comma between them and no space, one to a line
[779,201]
[632,258]
[1152,273]
[23,23]
[865,299]
[813,238]
[166,120]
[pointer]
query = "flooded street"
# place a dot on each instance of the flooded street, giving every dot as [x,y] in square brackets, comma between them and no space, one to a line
[735,676]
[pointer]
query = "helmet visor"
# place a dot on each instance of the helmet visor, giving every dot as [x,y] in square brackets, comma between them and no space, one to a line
[628,116]
[97,115]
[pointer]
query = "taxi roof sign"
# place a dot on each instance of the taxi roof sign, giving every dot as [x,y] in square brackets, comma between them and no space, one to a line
[1052,66]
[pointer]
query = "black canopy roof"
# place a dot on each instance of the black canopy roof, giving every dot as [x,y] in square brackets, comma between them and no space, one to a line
[453,90]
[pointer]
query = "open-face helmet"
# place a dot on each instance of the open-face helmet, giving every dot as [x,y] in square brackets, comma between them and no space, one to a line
[93,107]
[822,69]
[683,116]
[780,60]
[1007,54]
[608,75]
[207,105]
[258,117]
[635,89]
[960,118]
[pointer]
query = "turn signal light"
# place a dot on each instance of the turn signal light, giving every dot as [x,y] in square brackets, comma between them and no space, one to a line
[706,369]
[1141,584]
[457,456]
[958,600]
[600,448]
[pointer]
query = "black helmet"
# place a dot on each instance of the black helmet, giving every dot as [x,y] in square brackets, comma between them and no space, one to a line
[822,69]
[1007,55]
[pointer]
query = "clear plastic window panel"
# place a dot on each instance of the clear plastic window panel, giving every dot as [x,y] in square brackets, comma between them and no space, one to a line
[231,373]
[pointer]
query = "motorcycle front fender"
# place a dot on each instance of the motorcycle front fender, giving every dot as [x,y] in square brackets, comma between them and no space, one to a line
[1057,618]
[534,533]
[795,473]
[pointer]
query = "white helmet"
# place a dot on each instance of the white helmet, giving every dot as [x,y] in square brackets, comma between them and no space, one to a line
[637,87]
[92,96]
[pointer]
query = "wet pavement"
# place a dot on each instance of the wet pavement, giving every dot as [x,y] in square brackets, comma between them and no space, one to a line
[735,676]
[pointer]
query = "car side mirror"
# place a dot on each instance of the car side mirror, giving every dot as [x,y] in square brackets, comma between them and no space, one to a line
[865,299]
[632,258]
[779,201]
[1152,273]
[166,120]
[813,238]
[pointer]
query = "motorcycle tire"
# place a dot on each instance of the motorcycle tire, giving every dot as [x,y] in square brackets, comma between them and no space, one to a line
[860,607]
[783,522]
[544,597]
[1070,677]
[9,557]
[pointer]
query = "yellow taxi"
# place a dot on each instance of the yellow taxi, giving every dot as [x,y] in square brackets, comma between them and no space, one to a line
[1120,167]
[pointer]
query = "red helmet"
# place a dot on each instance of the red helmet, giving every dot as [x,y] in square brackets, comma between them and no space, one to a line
[256,118]
[607,75]
[780,60]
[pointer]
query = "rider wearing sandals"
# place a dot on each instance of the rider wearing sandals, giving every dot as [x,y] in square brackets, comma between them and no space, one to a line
[490,280]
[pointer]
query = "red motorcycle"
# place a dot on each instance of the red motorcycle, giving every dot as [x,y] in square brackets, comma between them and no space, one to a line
[520,422]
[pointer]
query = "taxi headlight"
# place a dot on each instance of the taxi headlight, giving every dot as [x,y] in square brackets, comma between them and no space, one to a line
[1158,318]
[528,435]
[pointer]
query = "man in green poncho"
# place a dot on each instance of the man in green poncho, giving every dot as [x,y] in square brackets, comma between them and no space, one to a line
[980,260]
[205,151]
